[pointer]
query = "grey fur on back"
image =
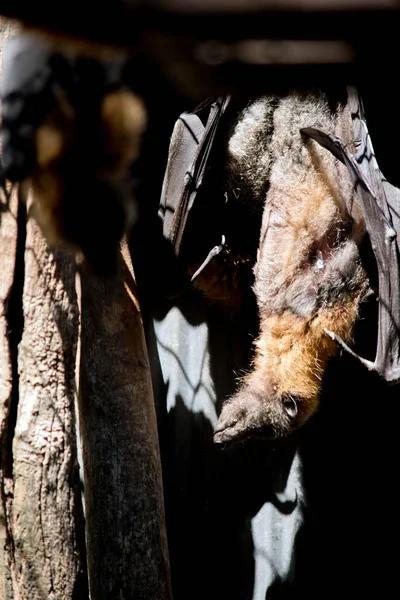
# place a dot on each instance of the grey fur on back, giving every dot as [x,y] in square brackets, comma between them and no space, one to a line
[249,152]
[267,134]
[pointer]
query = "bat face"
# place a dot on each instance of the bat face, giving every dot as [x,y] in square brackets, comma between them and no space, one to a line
[282,390]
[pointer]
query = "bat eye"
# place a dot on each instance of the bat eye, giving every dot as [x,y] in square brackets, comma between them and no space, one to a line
[290,405]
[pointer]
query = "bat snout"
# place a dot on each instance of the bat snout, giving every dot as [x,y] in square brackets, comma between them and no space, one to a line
[253,413]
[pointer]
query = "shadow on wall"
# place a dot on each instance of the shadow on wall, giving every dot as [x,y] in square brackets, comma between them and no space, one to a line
[218,546]
[261,520]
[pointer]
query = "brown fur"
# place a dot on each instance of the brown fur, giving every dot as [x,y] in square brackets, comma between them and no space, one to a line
[123,118]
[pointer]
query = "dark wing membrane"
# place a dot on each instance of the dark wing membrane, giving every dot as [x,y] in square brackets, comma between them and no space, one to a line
[379,201]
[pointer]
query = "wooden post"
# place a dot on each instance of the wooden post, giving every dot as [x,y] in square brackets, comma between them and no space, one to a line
[126,535]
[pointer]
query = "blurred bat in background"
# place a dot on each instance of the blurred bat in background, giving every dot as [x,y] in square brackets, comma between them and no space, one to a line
[71,129]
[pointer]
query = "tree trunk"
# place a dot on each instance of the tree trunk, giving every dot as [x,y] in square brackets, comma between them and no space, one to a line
[43,527]
[42,530]
[126,536]
[8,245]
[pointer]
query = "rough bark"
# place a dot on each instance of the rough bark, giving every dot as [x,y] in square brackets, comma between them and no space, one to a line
[41,525]
[40,556]
[8,245]
[41,530]
[126,536]
[46,524]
